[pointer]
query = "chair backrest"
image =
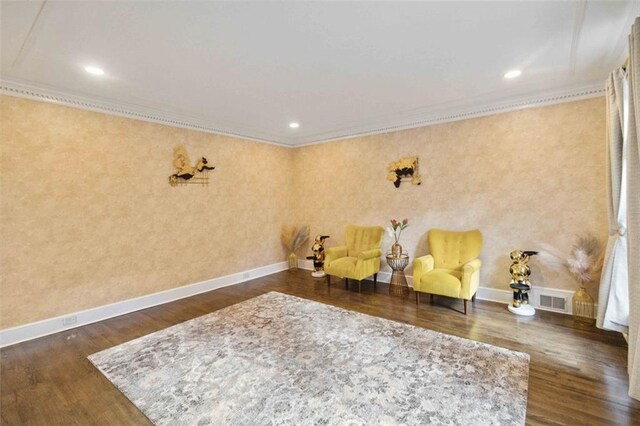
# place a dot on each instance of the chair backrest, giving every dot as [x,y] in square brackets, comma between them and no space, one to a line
[451,249]
[362,238]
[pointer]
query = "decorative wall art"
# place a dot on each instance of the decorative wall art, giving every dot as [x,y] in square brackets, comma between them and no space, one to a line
[185,173]
[405,168]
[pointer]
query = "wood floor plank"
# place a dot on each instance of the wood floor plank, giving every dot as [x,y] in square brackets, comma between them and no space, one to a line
[577,374]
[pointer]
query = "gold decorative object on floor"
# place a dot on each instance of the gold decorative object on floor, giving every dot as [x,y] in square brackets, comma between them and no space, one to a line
[185,173]
[292,239]
[398,285]
[318,256]
[583,307]
[520,284]
[405,168]
[584,263]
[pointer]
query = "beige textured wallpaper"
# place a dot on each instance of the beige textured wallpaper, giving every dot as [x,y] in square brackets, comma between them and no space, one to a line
[88,216]
[524,177]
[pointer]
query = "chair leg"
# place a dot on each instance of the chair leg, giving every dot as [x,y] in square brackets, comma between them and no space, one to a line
[473,298]
[346,283]
[375,281]
[359,286]
[431,298]
[328,280]
[465,306]
[417,297]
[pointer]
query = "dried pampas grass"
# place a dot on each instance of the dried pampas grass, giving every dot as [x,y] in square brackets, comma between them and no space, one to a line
[293,238]
[585,259]
[551,256]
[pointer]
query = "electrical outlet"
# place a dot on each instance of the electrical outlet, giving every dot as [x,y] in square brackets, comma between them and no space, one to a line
[70,320]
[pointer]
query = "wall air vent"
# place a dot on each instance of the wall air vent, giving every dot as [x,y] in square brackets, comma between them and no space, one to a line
[553,302]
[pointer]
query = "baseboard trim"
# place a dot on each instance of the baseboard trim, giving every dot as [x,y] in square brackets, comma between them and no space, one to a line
[505,296]
[22,333]
[491,294]
[34,330]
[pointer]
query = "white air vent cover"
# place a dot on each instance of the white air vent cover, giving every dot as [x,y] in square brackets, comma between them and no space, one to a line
[553,302]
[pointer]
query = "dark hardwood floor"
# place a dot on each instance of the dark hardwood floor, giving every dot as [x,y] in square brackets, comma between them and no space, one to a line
[577,374]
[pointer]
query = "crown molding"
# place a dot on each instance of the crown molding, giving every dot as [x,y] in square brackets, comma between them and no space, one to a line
[470,108]
[458,111]
[56,96]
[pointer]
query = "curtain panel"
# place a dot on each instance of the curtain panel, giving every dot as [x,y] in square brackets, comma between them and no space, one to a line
[613,306]
[633,212]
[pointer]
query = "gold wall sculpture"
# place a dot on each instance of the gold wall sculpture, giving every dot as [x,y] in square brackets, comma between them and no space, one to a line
[187,174]
[403,169]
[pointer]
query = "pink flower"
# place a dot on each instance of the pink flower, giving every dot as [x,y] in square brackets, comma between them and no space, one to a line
[405,221]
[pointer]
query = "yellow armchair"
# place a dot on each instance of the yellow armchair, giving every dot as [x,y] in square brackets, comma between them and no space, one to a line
[358,259]
[452,269]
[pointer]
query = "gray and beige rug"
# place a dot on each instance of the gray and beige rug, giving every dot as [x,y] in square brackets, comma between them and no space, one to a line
[279,359]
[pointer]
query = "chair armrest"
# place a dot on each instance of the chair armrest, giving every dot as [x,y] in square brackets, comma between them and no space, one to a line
[421,265]
[333,253]
[369,254]
[470,278]
[471,266]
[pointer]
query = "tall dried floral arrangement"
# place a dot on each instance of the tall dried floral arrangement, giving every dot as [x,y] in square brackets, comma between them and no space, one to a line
[584,262]
[292,239]
[586,258]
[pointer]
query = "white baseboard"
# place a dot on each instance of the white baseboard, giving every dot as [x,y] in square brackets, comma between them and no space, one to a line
[21,333]
[506,296]
[491,294]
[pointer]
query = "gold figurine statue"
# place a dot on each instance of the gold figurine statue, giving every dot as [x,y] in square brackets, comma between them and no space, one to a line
[318,256]
[520,284]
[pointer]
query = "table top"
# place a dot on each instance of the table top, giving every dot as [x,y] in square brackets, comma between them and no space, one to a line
[404,255]
[398,263]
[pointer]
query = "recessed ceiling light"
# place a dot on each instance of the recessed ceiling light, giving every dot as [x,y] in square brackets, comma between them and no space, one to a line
[94,70]
[294,125]
[513,74]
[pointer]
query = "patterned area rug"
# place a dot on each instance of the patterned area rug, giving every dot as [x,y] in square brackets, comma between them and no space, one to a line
[279,359]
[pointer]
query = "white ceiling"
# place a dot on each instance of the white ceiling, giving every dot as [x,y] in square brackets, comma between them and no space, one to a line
[339,69]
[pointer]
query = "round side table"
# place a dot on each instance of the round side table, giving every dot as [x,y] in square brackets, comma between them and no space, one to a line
[398,285]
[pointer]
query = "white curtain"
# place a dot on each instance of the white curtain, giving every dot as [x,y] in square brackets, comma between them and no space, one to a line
[633,205]
[613,301]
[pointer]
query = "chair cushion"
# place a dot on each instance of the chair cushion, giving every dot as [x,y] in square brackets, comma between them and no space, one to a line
[343,267]
[445,282]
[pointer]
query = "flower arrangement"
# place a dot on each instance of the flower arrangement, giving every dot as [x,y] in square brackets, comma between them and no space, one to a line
[396,228]
[292,239]
[583,262]
[585,259]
